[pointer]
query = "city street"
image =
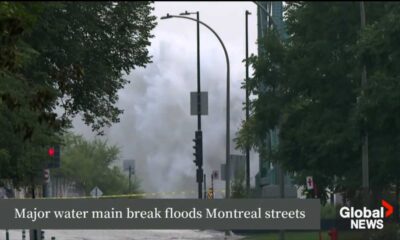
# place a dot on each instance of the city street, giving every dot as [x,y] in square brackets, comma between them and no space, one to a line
[123,234]
[276,120]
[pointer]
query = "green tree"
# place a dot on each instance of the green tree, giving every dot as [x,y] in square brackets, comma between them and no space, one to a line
[380,102]
[22,138]
[238,185]
[70,56]
[92,163]
[84,49]
[310,87]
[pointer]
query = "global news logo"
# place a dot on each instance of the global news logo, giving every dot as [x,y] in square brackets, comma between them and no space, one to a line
[365,218]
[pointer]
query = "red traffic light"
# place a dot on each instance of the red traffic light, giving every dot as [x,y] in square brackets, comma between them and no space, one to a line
[51,152]
[54,154]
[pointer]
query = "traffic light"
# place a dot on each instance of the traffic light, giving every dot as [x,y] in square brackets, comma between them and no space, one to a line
[198,147]
[55,156]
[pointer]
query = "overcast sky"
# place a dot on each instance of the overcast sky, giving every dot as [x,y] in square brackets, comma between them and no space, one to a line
[156,128]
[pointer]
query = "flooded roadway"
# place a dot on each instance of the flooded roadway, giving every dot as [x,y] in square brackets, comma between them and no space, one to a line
[124,234]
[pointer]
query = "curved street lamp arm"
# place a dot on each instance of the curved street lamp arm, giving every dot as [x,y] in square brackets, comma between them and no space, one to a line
[212,30]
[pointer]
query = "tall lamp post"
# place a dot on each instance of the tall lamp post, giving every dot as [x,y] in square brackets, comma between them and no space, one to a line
[199,174]
[247,101]
[227,185]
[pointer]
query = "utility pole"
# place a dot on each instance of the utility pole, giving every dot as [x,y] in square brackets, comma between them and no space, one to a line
[247,102]
[200,165]
[199,134]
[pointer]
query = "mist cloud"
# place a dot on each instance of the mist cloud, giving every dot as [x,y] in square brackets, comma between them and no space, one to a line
[156,128]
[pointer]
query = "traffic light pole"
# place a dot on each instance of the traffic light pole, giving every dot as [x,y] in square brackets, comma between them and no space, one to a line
[45,194]
[227,182]
[33,232]
[45,185]
[200,165]
[198,146]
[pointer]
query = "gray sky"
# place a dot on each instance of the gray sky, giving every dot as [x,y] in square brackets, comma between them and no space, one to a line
[156,128]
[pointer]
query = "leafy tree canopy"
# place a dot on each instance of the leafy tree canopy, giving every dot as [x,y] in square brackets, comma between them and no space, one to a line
[92,163]
[309,86]
[63,57]
[84,50]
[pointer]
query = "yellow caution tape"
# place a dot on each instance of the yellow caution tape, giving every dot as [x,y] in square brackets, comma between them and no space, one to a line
[132,195]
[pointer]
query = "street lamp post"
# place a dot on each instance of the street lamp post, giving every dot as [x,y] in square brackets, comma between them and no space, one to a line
[200,170]
[227,185]
[247,101]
